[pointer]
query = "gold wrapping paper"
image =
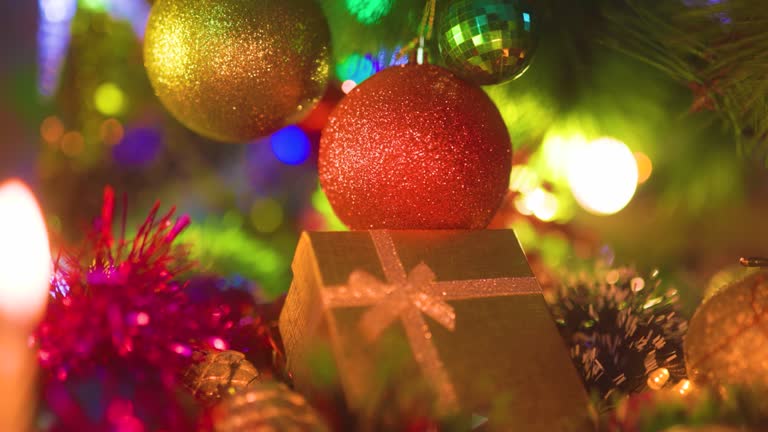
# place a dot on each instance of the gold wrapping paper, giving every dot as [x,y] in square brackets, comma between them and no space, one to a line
[463,304]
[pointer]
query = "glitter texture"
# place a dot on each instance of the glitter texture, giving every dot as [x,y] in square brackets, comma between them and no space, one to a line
[220,373]
[487,41]
[620,327]
[123,321]
[267,406]
[727,340]
[414,147]
[234,70]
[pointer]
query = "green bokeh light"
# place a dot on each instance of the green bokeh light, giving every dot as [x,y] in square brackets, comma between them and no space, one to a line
[225,248]
[369,11]
[95,5]
[266,215]
[356,68]
[321,204]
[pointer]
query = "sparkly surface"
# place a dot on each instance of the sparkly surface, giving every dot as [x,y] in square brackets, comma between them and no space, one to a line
[218,374]
[266,407]
[415,147]
[234,70]
[123,322]
[727,340]
[622,329]
[487,41]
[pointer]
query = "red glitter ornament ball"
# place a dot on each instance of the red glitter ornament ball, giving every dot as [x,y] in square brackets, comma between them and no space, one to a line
[415,147]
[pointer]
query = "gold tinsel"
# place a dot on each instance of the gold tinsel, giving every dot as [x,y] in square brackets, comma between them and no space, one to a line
[219,374]
[727,340]
[266,407]
[234,70]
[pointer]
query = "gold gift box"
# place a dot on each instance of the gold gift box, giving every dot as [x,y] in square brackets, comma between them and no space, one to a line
[463,305]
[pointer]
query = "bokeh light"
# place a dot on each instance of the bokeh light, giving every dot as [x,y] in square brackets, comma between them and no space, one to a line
[139,146]
[540,203]
[233,219]
[95,5]
[53,37]
[523,179]
[558,150]
[109,99]
[266,215]
[358,68]
[51,130]
[347,86]
[603,175]
[72,143]
[323,206]
[135,11]
[111,132]
[644,167]
[369,11]
[291,145]
[227,249]
[25,255]
[56,11]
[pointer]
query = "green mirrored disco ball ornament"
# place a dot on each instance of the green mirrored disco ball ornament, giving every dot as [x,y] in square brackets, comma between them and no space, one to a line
[487,41]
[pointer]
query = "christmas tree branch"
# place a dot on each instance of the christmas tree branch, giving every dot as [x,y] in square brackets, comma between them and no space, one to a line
[718,48]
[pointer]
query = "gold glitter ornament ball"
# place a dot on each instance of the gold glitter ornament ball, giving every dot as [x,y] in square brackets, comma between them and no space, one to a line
[266,407]
[727,339]
[415,147]
[234,70]
[220,373]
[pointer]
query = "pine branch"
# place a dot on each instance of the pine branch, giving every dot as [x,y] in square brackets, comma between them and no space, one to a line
[718,48]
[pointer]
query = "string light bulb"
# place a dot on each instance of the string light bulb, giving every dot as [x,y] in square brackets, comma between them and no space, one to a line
[658,378]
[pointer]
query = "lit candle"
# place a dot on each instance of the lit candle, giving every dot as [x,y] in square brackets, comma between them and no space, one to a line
[25,272]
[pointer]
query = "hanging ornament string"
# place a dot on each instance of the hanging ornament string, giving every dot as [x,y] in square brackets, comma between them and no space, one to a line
[424,32]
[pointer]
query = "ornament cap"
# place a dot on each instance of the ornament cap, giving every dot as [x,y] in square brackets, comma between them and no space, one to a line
[753,261]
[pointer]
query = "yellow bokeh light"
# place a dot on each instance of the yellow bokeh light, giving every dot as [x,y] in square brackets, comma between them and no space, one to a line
[542,204]
[266,215]
[644,167]
[603,176]
[557,152]
[109,99]
[523,179]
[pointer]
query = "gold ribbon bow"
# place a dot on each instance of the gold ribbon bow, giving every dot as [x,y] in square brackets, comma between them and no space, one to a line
[409,296]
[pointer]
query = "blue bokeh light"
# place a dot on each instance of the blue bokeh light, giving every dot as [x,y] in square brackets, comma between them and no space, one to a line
[290,145]
[53,36]
[140,147]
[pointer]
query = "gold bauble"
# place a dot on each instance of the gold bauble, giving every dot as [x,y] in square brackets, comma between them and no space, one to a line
[266,407]
[234,70]
[726,277]
[727,340]
[219,374]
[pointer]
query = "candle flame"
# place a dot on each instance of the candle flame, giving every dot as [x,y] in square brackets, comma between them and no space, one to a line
[25,256]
